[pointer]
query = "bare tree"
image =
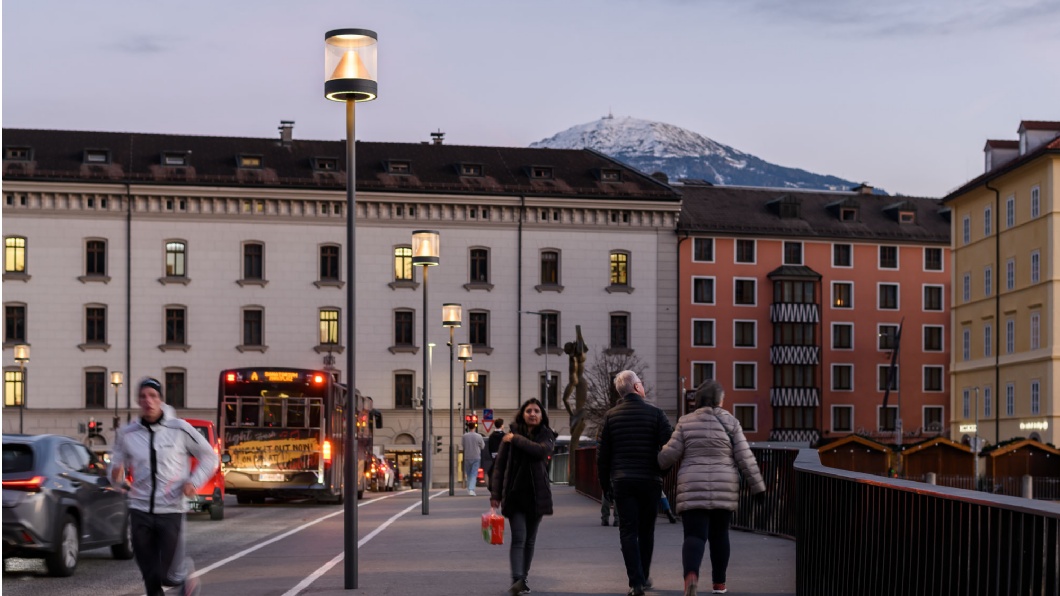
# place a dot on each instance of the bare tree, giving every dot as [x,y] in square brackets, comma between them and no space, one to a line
[600,375]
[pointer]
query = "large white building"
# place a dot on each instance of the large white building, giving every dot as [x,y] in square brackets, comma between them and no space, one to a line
[178,256]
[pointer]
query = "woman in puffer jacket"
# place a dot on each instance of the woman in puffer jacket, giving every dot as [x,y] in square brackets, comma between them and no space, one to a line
[713,453]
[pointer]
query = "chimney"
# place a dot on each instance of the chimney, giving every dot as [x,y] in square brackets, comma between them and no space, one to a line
[863,189]
[286,132]
[438,136]
[661,177]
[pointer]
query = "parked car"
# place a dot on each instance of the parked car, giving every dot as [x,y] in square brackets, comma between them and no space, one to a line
[211,496]
[58,501]
[381,476]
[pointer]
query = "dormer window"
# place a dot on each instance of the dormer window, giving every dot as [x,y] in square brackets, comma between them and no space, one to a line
[541,172]
[174,158]
[848,214]
[610,175]
[907,217]
[249,161]
[325,164]
[97,156]
[789,210]
[470,169]
[399,167]
[18,153]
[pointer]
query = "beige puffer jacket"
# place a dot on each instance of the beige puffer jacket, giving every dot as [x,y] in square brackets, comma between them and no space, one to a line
[708,477]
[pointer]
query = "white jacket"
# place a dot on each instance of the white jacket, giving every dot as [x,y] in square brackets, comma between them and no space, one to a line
[157,457]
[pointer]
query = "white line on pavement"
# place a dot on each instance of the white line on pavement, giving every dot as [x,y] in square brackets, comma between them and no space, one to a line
[305,583]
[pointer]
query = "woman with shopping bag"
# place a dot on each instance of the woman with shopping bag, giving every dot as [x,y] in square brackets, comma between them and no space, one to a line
[520,485]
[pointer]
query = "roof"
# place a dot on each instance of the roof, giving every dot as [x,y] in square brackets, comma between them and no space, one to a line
[1039,125]
[1017,445]
[429,167]
[1050,147]
[937,441]
[855,439]
[753,211]
[1002,144]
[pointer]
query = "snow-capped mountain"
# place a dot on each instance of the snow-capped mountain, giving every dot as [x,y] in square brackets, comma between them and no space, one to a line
[679,153]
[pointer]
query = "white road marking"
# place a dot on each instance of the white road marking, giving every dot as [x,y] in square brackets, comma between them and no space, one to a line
[305,583]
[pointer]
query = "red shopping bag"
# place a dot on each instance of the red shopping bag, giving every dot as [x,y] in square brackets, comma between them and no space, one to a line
[493,527]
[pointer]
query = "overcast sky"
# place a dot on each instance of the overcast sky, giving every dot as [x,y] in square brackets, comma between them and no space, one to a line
[901,94]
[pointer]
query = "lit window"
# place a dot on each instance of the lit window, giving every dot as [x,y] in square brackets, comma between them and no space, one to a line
[619,269]
[403,263]
[14,254]
[14,388]
[842,295]
[329,327]
[176,259]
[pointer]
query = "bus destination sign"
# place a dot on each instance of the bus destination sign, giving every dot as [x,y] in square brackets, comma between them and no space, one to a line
[276,376]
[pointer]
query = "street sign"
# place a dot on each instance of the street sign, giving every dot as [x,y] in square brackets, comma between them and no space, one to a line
[487,414]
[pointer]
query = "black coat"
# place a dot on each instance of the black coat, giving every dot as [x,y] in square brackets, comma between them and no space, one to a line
[520,474]
[633,433]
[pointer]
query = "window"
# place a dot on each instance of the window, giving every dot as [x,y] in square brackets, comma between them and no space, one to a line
[619,331]
[549,336]
[701,371]
[966,229]
[175,326]
[744,291]
[548,392]
[842,255]
[619,269]
[933,298]
[175,393]
[95,324]
[479,266]
[610,175]
[988,280]
[249,161]
[174,158]
[933,418]
[541,172]
[887,337]
[95,389]
[848,214]
[176,259]
[885,372]
[842,336]
[888,257]
[744,376]
[329,263]
[254,261]
[1010,336]
[96,156]
[1010,212]
[888,296]
[745,334]
[966,286]
[932,378]
[549,267]
[1036,330]
[403,263]
[747,416]
[96,258]
[703,333]
[1036,397]
[933,338]
[253,327]
[745,251]
[403,327]
[18,153]
[966,344]
[703,250]
[470,169]
[1010,274]
[794,334]
[14,254]
[476,394]
[987,405]
[988,221]
[403,391]
[794,417]
[479,328]
[792,253]
[329,327]
[842,294]
[796,292]
[1036,263]
[842,419]
[966,403]
[14,388]
[888,418]
[1036,201]
[14,323]
[1010,400]
[988,340]
[932,259]
[842,377]
[703,290]
[399,167]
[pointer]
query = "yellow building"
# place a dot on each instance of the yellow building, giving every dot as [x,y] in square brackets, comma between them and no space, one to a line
[1006,342]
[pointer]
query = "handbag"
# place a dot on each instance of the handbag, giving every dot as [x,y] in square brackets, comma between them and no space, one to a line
[492,527]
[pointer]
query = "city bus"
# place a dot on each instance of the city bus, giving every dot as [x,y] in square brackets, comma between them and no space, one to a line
[283,434]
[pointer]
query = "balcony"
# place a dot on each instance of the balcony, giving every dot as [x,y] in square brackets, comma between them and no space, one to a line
[806,397]
[808,355]
[794,312]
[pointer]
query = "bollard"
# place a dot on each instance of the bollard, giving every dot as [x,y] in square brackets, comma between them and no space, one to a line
[930,478]
[1028,487]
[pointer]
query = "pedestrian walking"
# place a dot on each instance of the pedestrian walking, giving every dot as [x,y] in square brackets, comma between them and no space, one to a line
[714,454]
[669,511]
[473,444]
[156,449]
[632,434]
[493,444]
[521,487]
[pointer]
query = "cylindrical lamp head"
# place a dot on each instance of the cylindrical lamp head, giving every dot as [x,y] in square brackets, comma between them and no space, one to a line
[116,378]
[21,353]
[463,352]
[350,61]
[451,314]
[472,377]
[426,246]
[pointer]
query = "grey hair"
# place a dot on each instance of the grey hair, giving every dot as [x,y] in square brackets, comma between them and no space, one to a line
[709,393]
[625,381]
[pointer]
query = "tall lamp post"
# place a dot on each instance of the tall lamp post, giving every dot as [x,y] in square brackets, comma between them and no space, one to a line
[463,354]
[452,314]
[975,444]
[350,75]
[116,379]
[541,316]
[426,245]
[471,378]
[21,357]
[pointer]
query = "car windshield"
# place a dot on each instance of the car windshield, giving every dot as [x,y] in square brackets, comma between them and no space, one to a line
[18,458]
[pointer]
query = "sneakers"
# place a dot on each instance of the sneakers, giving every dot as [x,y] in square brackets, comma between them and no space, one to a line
[603,522]
[518,587]
[648,584]
[690,584]
[190,587]
[471,492]
[635,591]
[719,589]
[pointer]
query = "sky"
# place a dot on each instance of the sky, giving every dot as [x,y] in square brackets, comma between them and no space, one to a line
[901,94]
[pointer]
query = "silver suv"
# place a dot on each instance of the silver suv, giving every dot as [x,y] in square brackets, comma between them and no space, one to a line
[58,502]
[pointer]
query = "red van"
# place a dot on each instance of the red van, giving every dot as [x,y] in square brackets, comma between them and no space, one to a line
[211,497]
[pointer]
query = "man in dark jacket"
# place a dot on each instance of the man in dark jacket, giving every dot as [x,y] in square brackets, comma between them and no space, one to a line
[493,445]
[633,433]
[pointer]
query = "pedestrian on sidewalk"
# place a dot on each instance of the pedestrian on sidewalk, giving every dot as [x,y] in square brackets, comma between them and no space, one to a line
[156,449]
[669,511]
[714,454]
[473,444]
[632,434]
[520,486]
[493,445]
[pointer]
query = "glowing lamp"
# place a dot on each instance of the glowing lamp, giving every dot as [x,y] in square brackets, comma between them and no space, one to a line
[425,248]
[472,377]
[350,65]
[463,352]
[451,314]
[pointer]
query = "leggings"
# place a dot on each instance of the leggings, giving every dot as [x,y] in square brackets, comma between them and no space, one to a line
[701,526]
[524,536]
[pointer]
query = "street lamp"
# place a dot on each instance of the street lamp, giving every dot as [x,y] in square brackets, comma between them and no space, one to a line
[975,443]
[451,315]
[116,379]
[463,354]
[350,76]
[21,357]
[426,245]
[471,378]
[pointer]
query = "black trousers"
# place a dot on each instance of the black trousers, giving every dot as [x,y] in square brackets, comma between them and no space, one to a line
[703,526]
[637,503]
[156,540]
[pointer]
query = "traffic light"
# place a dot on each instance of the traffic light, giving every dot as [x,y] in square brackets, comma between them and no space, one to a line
[94,428]
[437,443]
[471,421]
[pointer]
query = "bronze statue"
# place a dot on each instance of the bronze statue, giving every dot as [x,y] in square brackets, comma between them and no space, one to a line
[577,386]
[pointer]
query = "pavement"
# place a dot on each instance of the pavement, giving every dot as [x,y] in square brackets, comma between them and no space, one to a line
[443,554]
